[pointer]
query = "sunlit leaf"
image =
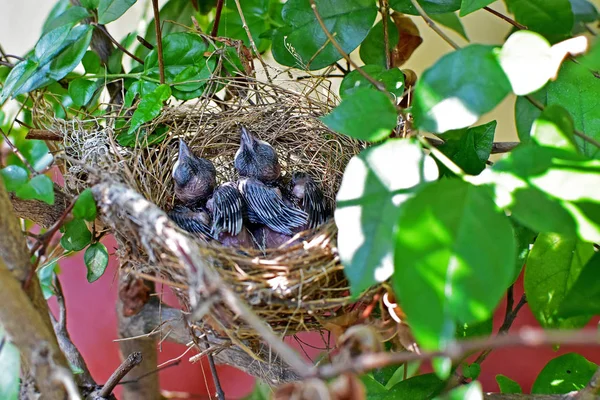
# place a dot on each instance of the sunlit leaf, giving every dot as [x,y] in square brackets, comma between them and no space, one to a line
[507,385]
[85,206]
[70,17]
[551,18]
[76,235]
[554,128]
[392,79]
[40,187]
[14,177]
[96,261]
[470,391]
[369,202]
[563,374]
[110,10]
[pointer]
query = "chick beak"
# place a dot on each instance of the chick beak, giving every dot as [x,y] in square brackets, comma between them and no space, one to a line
[184,150]
[247,138]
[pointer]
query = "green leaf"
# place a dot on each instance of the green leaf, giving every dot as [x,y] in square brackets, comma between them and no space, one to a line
[82,90]
[148,109]
[392,375]
[59,8]
[551,18]
[450,20]
[564,374]
[583,298]
[76,235]
[14,177]
[554,128]
[423,386]
[300,43]
[469,148]
[507,385]
[471,371]
[261,391]
[46,275]
[91,62]
[430,6]
[458,89]
[576,89]
[10,365]
[548,190]
[140,89]
[526,113]
[365,114]
[591,59]
[256,14]
[553,266]
[584,11]
[177,11]
[474,329]
[392,79]
[56,54]
[372,49]
[85,206]
[465,392]
[435,257]
[109,10]
[40,187]
[524,238]
[70,17]
[469,6]
[35,151]
[96,261]
[369,202]
[90,4]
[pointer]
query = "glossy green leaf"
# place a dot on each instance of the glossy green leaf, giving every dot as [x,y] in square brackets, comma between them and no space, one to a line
[458,89]
[471,371]
[441,278]
[372,49]
[76,235]
[90,4]
[365,114]
[464,392]
[553,266]
[526,113]
[549,190]
[256,14]
[70,17]
[59,8]
[14,177]
[474,329]
[40,187]
[450,20]
[85,206]
[469,148]
[56,54]
[46,275]
[369,202]
[554,128]
[576,89]
[110,10]
[469,6]
[148,109]
[584,11]
[139,88]
[430,6]
[82,90]
[392,79]
[10,365]
[563,374]
[300,42]
[583,298]
[96,261]
[91,62]
[177,11]
[551,18]
[507,385]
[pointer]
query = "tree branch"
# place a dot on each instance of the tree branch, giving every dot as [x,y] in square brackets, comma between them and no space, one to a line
[130,362]
[43,214]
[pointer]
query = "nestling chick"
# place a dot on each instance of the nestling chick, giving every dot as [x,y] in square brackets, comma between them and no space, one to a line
[195,221]
[195,177]
[257,163]
[306,194]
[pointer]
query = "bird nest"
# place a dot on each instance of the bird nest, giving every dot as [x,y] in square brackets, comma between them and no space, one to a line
[294,288]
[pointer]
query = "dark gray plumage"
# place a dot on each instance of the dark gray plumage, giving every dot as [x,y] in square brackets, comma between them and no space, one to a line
[306,194]
[257,163]
[195,221]
[227,208]
[195,177]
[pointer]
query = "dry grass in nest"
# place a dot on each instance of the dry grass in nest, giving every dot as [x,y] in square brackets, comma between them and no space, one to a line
[295,287]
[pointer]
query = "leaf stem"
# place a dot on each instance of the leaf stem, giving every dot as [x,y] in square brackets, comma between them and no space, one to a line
[504,17]
[432,25]
[116,43]
[161,62]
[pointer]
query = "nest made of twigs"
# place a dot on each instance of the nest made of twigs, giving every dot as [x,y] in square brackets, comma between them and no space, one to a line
[295,287]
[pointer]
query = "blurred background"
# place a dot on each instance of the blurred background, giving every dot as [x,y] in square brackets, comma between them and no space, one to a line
[91,307]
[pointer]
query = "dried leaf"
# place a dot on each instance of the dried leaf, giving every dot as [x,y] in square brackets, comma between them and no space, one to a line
[408,39]
[361,339]
[347,387]
[310,389]
[338,325]
[134,294]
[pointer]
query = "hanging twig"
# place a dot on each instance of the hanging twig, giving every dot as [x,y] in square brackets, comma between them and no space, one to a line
[384,8]
[504,17]
[215,374]
[133,360]
[161,62]
[432,25]
[335,44]
[215,28]
[116,43]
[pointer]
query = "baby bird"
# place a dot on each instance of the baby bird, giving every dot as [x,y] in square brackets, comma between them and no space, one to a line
[306,194]
[257,163]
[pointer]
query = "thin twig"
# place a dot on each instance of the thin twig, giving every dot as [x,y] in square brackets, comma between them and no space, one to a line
[215,28]
[582,135]
[497,147]
[529,337]
[432,25]
[384,8]
[504,17]
[7,56]
[251,39]
[18,153]
[144,42]
[161,62]
[342,69]
[116,43]
[127,365]
[335,44]
[215,375]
